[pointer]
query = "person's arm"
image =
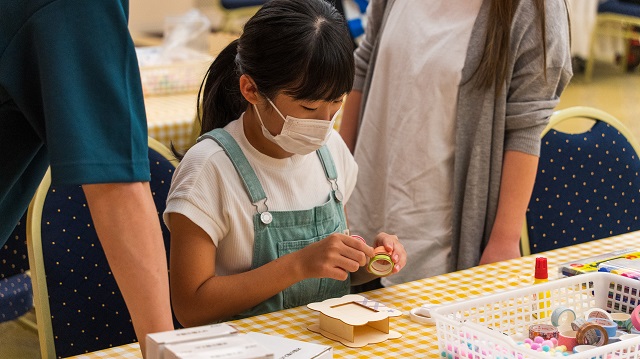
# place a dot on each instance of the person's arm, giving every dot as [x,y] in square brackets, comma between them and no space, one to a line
[350,116]
[199,296]
[362,56]
[532,95]
[127,224]
[518,175]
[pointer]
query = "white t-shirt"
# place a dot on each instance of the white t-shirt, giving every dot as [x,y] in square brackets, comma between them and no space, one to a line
[406,142]
[207,189]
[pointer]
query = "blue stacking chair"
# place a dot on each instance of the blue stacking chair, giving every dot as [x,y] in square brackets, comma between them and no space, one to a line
[587,186]
[16,294]
[79,307]
[617,18]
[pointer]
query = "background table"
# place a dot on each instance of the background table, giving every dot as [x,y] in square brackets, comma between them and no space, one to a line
[417,340]
[170,118]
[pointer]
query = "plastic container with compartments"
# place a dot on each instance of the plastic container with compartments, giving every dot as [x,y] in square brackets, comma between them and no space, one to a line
[481,328]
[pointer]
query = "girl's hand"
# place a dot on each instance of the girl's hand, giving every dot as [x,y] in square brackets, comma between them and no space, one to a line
[394,248]
[334,257]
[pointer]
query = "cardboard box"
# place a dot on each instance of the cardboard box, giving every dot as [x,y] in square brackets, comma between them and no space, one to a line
[156,342]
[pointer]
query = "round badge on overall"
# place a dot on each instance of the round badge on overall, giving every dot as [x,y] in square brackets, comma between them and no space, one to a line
[338,195]
[266,217]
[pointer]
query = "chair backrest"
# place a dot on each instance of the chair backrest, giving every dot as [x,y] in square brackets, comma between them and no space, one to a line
[13,254]
[79,307]
[16,296]
[587,186]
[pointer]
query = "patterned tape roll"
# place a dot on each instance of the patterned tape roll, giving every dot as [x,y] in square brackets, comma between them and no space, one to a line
[623,320]
[562,316]
[588,334]
[635,318]
[576,324]
[381,263]
[609,325]
[545,331]
[597,313]
[568,339]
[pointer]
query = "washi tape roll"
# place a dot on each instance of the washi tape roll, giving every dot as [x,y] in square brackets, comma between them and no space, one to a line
[597,313]
[562,317]
[609,325]
[635,318]
[588,334]
[545,331]
[568,339]
[623,320]
[381,263]
[576,324]
[616,338]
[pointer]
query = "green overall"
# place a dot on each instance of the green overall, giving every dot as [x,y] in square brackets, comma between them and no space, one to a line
[279,233]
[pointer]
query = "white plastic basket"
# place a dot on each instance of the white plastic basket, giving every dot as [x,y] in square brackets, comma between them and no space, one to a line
[480,328]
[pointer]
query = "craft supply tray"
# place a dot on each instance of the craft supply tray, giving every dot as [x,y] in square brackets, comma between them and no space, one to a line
[480,328]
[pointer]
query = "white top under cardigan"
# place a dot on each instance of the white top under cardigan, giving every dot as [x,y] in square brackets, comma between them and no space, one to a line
[487,124]
[407,138]
[207,189]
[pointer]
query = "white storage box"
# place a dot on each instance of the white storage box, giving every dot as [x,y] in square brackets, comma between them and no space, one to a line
[251,345]
[156,342]
[285,348]
[229,347]
[479,328]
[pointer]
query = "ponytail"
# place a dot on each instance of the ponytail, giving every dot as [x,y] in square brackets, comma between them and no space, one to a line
[301,48]
[219,93]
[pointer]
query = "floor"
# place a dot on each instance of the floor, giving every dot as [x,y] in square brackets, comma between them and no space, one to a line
[610,90]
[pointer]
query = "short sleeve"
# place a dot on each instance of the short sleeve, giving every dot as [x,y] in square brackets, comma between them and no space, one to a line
[533,93]
[192,193]
[82,81]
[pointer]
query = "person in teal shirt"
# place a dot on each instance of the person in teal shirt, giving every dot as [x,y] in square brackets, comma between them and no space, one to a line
[71,99]
[256,207]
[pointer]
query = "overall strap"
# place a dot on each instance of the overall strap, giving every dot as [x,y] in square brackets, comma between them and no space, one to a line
[327,163]
[230,146]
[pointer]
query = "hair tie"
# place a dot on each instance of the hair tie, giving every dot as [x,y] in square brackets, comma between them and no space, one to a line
[238,63]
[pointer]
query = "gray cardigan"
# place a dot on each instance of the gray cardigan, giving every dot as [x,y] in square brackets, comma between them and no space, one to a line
[488,125]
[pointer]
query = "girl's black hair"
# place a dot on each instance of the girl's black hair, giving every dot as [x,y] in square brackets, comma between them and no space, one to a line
[300,47]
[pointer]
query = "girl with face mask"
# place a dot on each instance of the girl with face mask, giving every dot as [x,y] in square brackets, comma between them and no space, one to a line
[256,206]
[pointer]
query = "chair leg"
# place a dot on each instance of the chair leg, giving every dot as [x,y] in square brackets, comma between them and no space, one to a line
[29,324]
[588,71]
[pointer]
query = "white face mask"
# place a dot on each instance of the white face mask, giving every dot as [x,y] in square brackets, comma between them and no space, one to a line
[300,136]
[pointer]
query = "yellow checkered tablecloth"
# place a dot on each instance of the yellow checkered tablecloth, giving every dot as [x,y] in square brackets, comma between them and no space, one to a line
[417,340]
[170,118]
